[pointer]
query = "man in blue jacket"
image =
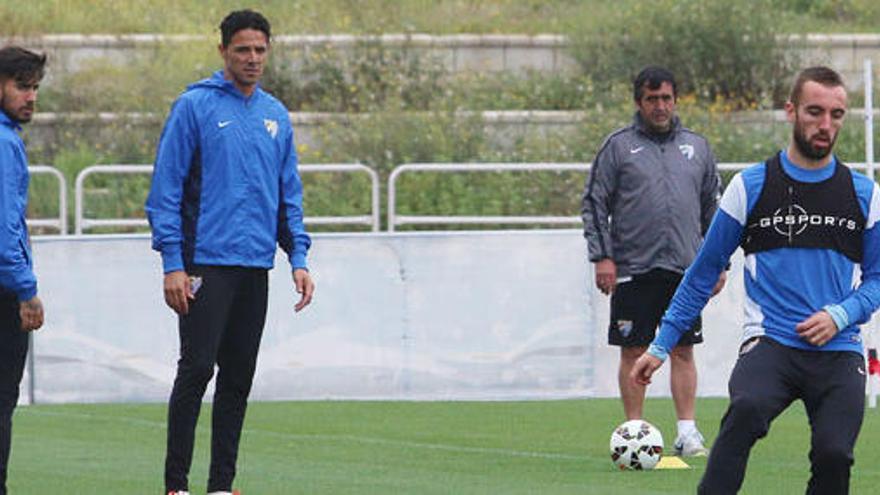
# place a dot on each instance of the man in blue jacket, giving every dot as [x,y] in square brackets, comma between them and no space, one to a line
[20,309]
[805,222]
[225,190]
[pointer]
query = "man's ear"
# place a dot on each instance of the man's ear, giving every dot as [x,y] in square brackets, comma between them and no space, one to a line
[790,111]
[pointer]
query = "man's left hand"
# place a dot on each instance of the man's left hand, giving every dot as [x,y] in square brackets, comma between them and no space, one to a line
[818,329]
[644,368]
[304,286]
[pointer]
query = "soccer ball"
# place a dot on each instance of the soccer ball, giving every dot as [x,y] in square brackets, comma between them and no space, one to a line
[636,444]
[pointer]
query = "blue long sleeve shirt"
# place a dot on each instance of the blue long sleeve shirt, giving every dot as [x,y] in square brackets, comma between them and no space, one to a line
[225,187]
[783,286]
[16,266]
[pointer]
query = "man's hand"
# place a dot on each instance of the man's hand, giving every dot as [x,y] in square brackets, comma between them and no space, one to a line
[644,368]
[719,285]
[606,275]
[818,329]
[178,292]
[31,313]
[304,286]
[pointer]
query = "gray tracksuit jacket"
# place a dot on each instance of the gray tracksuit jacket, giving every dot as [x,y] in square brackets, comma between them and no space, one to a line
[650,198]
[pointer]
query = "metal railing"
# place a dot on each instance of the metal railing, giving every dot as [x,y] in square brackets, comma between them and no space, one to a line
[83,223]
[394,219]
[372,219]
[59,223]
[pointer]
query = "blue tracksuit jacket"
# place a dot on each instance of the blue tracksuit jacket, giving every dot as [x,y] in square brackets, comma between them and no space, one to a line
[225,184]
[16,268]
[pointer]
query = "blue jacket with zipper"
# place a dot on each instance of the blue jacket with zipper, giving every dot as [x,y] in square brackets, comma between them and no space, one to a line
[225,183]
[16,269]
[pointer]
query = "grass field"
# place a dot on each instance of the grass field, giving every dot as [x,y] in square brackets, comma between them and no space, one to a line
[546,447]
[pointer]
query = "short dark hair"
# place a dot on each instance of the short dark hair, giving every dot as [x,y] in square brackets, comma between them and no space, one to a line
[243,19]
[21,64]
[653,76]
[820,74]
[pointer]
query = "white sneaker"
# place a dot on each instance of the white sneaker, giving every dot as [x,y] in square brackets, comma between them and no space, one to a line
[690,445]
[178,493]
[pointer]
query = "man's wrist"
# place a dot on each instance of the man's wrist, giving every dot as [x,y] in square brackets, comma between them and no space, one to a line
[27,293]
[838,314]
[658,352]
[172,259]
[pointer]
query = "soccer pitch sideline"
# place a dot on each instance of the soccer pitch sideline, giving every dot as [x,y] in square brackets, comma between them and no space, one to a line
[540,447]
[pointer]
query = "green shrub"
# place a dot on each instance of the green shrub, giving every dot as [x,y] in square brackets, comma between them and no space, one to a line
[385,140]
[369,77]
[719,50]
[147,83]
[850,11]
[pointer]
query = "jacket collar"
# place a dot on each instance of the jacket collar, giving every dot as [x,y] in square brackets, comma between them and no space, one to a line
[220,83]
[639,125]
[8,122]
[226,85]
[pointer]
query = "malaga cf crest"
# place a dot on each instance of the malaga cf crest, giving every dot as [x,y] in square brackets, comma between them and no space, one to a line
[271,126]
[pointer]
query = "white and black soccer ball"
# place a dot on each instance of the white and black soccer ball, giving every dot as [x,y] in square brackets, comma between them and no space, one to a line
[636,444]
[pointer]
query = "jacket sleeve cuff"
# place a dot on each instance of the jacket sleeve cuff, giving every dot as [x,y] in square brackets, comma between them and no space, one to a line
[298,260]
[838,314]
[27,293]
[172,260]
[658,352]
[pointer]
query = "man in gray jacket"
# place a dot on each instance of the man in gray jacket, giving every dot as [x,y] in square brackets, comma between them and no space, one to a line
[650,197]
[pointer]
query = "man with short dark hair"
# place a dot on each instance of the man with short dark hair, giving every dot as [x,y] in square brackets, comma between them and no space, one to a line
[225,191]
[652,191]
[805,222]
[20,308]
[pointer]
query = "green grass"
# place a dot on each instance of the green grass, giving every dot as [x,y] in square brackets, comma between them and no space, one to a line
[546,447]
[372,16]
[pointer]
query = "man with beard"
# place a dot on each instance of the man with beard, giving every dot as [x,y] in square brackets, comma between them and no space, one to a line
[225,193]
[805,222]
[649,199]
[20,309]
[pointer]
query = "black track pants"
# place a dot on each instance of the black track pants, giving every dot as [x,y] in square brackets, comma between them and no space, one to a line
[223,328]
[13,351]
[767,378]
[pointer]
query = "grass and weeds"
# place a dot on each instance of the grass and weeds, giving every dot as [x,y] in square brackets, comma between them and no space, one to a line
[374,16]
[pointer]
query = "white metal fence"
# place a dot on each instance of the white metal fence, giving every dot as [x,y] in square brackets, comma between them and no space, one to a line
[84,223]
[394,219]
[81,222]
[59,223]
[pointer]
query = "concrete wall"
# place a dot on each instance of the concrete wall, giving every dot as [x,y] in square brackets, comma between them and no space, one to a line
[492,315]
[463,52]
